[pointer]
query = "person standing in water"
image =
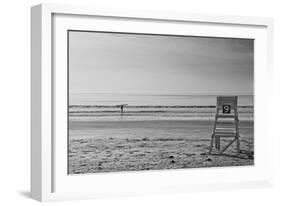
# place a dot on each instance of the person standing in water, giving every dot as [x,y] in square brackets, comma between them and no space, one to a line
[122,108]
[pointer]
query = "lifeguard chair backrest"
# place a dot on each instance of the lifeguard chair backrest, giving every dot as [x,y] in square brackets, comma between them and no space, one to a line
[227,100]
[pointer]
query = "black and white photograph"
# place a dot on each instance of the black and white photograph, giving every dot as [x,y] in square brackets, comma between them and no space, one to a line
[155,102]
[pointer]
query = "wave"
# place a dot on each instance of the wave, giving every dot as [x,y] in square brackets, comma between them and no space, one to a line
[152,112]
[152,106]
[145,112]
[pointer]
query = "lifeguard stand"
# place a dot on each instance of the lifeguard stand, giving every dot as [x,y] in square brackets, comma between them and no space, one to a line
[226,123]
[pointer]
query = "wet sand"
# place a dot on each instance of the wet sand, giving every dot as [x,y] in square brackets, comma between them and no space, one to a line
[110,146]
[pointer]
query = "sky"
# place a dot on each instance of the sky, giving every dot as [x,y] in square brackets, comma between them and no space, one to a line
[137,63]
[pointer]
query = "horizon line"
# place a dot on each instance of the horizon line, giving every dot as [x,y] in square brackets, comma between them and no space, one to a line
[164,93]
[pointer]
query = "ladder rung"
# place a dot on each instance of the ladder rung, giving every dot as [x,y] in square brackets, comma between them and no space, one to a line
[225,125]
[226,128]
[232,127]
[225,134]
[225,122]
[225,116]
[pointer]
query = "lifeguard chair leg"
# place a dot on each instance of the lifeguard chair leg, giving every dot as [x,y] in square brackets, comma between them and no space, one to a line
[217,142]
[211,144]
[238,144]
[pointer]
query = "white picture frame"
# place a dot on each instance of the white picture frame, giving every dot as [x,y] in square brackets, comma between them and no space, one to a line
[49,180]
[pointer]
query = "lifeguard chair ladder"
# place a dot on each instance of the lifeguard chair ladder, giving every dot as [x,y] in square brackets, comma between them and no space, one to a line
[226,123]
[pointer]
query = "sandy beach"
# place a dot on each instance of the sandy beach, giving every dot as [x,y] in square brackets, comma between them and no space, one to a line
[110,146]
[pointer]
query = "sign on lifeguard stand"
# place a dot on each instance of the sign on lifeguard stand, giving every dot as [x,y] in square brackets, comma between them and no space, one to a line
[226,123]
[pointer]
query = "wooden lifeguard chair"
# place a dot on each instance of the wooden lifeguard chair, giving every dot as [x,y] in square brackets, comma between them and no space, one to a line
[226,123]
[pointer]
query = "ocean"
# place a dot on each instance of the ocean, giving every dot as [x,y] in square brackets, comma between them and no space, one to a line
[105,106]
